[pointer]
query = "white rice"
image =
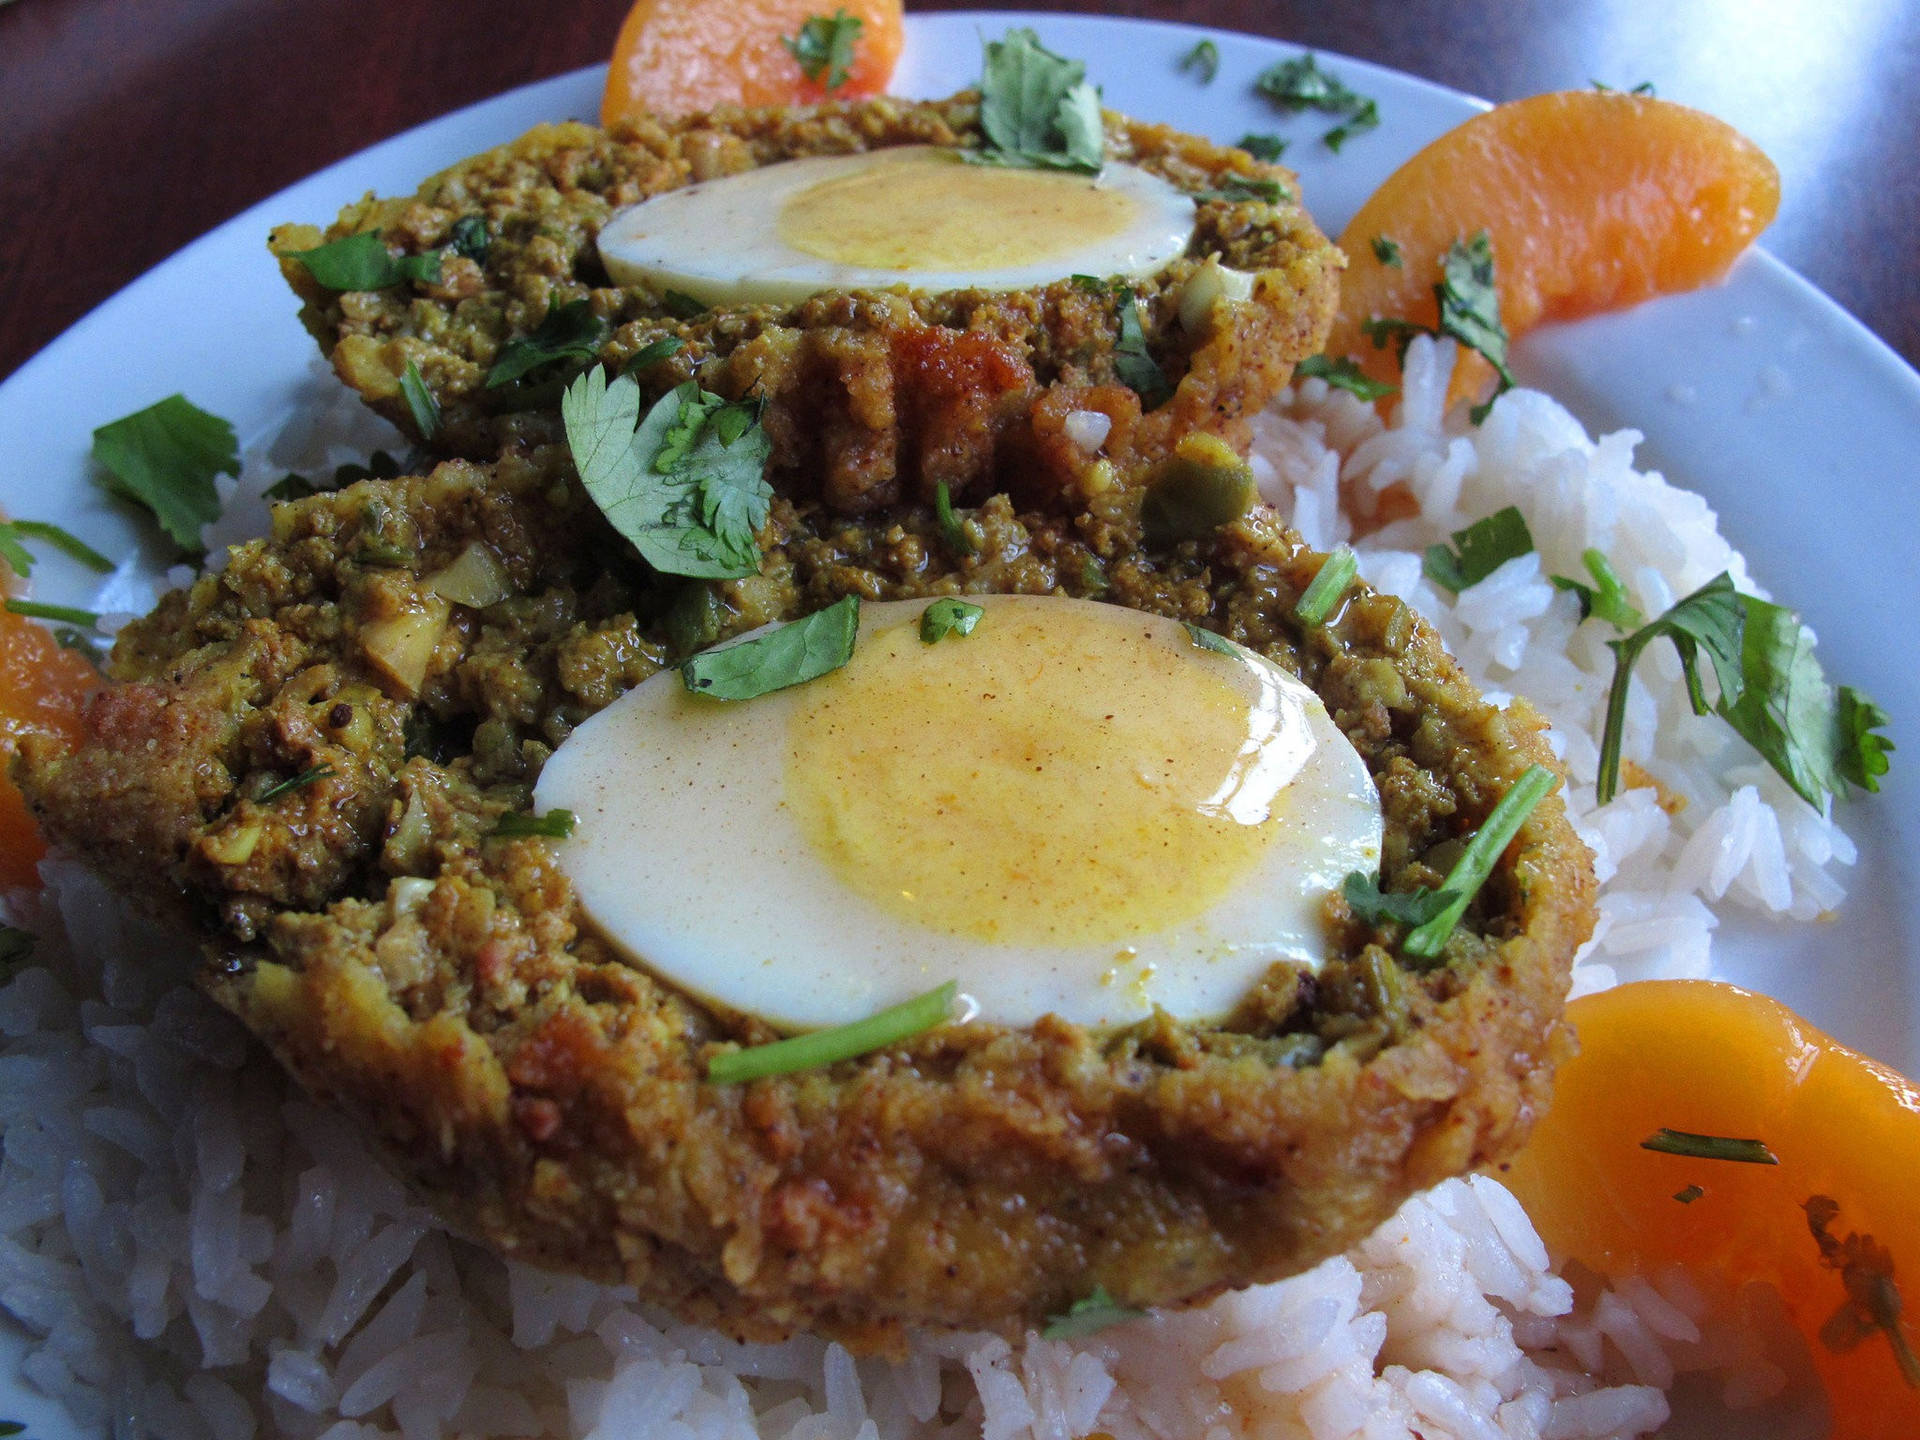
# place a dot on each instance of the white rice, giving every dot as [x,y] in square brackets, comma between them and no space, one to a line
[200,1254]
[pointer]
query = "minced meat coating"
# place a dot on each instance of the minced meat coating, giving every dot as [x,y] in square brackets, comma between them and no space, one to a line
[439,983]
[872,396]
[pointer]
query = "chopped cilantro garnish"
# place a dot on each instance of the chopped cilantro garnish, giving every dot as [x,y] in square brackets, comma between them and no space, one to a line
[1366,118]
[1477,860]
[1262,146]
[1096,1312]
[469,238]
[1203,60]
[570,331]
[687,486]
[363,262]
[1132,363]
[1709,1147]
[947,616]
[1606,597]
[1212,640]
[824,46]
[1342,375]
[13,532]
[1484,547]
[1387,252]
[164,458]
[1470,308]
[420,402]
[1689,1194]
[1237,189]
[653,352]
[1300,85]
[1409,908]
[1645,87]
[1037,109]
[298,782]
[786,655]
[1336,573]
[64,614]
[554,825]
[1872,1300]
[1772,691]
[841,1042]
[958,538]
[682,306]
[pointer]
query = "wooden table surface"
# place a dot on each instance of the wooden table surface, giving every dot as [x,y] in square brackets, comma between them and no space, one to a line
[129,130]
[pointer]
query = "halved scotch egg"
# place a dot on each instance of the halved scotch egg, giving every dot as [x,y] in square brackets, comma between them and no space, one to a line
[1074,809]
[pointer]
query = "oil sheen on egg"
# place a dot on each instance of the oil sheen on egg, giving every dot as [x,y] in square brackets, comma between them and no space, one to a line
[1074,809]
[914,215]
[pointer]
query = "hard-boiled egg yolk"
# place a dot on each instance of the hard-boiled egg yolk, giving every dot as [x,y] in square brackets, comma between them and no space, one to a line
[911,215]
[1712,1059]
[1074,809]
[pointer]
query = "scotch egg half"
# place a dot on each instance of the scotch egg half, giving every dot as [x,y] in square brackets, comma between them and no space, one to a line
[915,215]
[1074,809]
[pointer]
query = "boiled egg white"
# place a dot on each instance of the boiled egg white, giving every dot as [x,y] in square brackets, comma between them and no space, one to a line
[915,215]
[1074,809]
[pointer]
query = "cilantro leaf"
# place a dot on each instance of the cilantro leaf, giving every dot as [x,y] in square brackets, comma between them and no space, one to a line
[653,352]
[164,458]
[1204,60]
[420,402]
[785,655]
[1606,597]
[1342,375]
[1237,188]
[554,825]
[948,616]
[1262,146]
[14,553]
[1134,366]
[824,46]
[1300,84]
[1387,252]
[363,262]
[1366,118]
[469,237]
[1711,616]
[1484,547]
[1862,755]
[1470,308]
[687,487]
[1096,1312]
[1036,108]
[570,331]
[1376,906]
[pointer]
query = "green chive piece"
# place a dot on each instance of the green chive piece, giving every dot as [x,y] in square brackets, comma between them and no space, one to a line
[420,402]
[1476,862]
[1210,640]
[298,782]
[1709,1147]
[65,614]
[63,540]
[842,1042]
[1337,572]
[554,825]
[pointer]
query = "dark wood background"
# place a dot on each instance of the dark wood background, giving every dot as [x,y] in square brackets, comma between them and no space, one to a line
[128,129]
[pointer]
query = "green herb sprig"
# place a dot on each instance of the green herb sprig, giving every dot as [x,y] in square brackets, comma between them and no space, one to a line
[569,332]
[1262,145]
[1344,375]
[1477,860]
[1300,85]
[14,534]
[1037,109]
[1469,305]
[1709,1147]
[60,614]
[948,616]
[1202,60]
[363,262]
[825,45]
[821,1048]
[1606,597]
[787,655]
[957,537]
[1482,548]
[164,458]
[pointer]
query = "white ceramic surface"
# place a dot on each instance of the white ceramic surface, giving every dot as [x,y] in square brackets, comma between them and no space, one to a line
[1795,422]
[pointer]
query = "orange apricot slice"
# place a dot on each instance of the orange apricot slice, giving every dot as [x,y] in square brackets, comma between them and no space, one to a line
[1594,200]
[1712,1059]
[678,57]
[42,687]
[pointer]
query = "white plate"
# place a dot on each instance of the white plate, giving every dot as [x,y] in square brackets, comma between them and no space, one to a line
[1793,420]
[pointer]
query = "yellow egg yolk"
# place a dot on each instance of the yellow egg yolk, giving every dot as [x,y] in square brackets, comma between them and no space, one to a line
[920,208]
[1035,780]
